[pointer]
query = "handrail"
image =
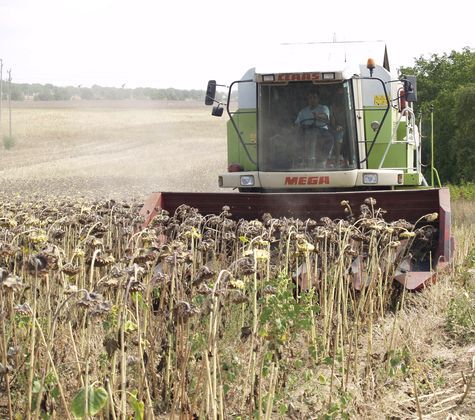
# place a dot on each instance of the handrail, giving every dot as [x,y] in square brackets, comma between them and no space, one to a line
[410,118]
[434,170]
[382,120]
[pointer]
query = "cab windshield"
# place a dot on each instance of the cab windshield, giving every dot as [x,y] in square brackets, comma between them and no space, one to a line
[306,127]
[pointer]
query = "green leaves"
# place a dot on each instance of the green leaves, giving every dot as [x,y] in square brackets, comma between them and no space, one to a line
[96,400]
[464,139]
[398,361]
[460,318]
[446,82]
[137,405]
[130,326]
[282,316]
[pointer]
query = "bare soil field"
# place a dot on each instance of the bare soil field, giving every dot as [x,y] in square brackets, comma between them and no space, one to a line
[112,148]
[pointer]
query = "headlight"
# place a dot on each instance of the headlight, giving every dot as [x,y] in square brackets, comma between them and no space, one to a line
[370,178]
[247,180]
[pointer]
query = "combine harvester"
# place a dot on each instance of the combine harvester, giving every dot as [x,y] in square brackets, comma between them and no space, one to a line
[290,163]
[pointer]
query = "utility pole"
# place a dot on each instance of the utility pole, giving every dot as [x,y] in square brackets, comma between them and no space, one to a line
[432,145]
[10,100]
[1,93]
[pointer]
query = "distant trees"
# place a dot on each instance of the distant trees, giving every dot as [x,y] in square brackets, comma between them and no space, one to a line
[448,83]
[49,92]
[43,94]
[464,139]
[17,93]
[86,93]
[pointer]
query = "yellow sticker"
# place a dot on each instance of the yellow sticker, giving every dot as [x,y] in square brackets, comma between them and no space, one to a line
[380,100]
[252,137]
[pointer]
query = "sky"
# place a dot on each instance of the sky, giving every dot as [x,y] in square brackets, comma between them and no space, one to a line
[183,44]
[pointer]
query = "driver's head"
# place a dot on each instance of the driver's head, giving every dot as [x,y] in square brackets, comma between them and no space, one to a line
[313,99]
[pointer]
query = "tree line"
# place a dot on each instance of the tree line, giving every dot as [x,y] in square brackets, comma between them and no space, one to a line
[446,87]
[49,92]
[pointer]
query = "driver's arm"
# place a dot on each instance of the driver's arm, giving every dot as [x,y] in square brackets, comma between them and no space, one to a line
[334,123]
[321,116]
[298,120]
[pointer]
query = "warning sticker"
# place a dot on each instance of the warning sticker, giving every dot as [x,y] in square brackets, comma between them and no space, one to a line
[380,100]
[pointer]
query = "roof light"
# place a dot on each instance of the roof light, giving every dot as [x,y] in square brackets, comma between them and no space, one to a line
[328,76]
[268,78]
[370,65]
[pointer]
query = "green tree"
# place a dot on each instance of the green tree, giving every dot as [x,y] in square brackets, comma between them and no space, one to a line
[17,93]
[62,93]
[440,82]
[44,94]
[464,139]
[86,93]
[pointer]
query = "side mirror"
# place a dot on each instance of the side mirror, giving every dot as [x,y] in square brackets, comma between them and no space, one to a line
[410,88]
[210,92]
[217,111]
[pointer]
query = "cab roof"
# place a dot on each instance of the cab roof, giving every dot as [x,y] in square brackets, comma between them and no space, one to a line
[344,57]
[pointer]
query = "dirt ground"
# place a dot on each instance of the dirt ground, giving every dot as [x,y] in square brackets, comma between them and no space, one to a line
[120,149]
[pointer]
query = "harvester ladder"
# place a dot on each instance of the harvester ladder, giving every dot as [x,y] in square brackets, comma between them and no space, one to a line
[409,139]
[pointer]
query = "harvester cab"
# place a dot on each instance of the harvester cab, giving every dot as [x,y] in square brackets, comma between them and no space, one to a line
[321,125]
[330,123]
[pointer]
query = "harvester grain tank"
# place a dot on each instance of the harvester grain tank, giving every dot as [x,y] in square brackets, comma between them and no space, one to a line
[317,124]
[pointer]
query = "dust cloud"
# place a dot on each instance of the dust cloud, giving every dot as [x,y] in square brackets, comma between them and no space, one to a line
[123,149]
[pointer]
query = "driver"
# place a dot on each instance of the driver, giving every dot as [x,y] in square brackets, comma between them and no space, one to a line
[315,114]
[313,122]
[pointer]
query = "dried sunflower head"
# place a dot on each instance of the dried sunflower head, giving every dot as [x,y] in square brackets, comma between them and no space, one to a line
[203,274]
[12,282]
[406,235]
[237,284]
[37,263]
